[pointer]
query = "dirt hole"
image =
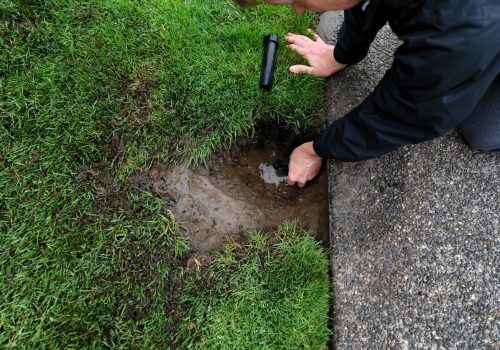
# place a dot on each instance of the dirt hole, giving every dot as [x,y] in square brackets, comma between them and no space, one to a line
[239,191]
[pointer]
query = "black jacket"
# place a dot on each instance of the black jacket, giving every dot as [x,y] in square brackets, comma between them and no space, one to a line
[449,57]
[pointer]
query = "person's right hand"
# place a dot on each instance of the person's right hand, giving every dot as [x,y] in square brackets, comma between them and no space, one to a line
[304,165]
[318,54]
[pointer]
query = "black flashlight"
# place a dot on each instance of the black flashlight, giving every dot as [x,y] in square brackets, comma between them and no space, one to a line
[271,44]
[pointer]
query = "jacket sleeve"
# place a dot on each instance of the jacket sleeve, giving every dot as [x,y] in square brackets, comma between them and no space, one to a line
[358,31]
[437,78]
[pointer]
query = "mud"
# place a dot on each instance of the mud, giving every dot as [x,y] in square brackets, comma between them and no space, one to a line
[238,192]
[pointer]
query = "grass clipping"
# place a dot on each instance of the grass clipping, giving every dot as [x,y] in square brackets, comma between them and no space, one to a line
[272,293]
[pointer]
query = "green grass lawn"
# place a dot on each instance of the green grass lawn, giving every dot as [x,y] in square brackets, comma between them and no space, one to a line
[272,293]
[91,91]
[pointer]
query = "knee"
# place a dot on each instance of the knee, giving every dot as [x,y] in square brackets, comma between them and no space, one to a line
[482,143]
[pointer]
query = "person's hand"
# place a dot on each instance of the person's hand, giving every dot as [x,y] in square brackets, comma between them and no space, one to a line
[304,165]
[318,54]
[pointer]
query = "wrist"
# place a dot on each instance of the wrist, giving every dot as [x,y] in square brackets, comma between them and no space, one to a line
[310,151]
[334,63]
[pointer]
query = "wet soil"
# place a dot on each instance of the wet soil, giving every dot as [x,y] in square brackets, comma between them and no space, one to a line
[237,192]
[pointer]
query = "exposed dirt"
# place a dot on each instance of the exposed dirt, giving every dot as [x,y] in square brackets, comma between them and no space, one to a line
[237,192]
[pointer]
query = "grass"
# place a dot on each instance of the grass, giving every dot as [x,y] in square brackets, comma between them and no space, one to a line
[91,91]
[271,293]
[176,80]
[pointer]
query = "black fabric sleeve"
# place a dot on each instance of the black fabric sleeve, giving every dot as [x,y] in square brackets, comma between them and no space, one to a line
[438,76]
[358,31]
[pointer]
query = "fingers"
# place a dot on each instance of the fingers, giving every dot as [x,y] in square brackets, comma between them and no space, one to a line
[302,39]
[297,179]
[297,39]
[302,44]
[300,50]
[300,184]
[301,69]
[293,179]
[315,35]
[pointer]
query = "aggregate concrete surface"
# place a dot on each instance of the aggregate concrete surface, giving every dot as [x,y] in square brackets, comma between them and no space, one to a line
[414,234]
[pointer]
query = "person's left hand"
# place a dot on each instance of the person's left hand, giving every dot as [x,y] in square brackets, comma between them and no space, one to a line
[318,54]
[304,165]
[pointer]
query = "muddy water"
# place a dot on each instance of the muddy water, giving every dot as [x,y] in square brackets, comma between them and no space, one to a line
[238,192]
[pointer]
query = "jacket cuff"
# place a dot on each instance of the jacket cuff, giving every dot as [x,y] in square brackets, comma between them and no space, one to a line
[352,57]
[346,53]
[340,55]
[319,148]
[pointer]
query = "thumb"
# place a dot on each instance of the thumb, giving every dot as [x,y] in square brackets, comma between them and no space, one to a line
[301,69]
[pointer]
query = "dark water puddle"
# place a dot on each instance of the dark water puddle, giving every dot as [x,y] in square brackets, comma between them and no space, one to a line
[237,192]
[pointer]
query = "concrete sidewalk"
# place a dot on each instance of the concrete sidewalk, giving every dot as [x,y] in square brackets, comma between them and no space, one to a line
[414,234]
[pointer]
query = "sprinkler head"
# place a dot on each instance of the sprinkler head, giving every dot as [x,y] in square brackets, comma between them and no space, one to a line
[271,44]
[280,168]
